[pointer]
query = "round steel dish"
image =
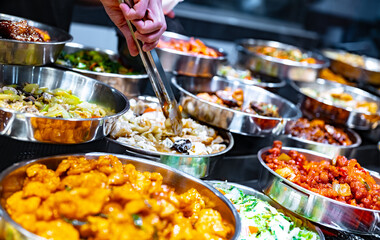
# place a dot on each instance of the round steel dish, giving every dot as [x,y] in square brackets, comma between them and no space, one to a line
[275,67]
[266,82]
[196,165]
[188,64]
[35,128]
[315,207]
[32,53]
[129,84]
[368,74]
[320,108]
[11,180]
[261,196]
[324,148]
[227,118]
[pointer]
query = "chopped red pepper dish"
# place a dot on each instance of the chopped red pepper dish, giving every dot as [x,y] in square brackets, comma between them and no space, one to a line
[341,179]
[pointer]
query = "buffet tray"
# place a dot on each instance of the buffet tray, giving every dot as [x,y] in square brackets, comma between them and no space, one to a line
[315,207]
[223,169]
[32,53]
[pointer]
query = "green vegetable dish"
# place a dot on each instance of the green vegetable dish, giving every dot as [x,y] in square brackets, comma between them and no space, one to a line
[93,61]
[31,98]
[262,221]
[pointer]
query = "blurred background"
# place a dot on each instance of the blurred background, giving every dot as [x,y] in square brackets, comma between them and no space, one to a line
[351,25]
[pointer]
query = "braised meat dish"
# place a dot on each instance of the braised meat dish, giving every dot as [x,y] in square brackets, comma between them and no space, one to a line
[22,31]
[318,131]
[234,99]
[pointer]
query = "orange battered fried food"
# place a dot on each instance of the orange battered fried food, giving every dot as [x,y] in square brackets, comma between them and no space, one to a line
[105,199]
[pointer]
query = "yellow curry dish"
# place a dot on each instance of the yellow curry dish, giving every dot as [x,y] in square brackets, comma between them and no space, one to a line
[106,199]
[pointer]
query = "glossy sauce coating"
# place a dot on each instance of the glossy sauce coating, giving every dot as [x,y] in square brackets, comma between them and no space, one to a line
[105,199]
[318,131]
[341,179]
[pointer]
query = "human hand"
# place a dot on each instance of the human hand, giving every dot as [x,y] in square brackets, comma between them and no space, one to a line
[146,15]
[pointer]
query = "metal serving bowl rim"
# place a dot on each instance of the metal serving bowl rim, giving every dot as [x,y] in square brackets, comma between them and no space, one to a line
[287,62]
[358,140]
[301,150]
[18,165]
[126,108]
[158,154]
[70,38]
[108,52]
[321,81]
[279,84]
[246,188]
[173,35]
[340,51]
[218,78]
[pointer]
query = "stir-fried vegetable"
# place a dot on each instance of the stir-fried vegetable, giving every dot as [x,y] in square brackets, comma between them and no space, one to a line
[262,221]
[58,103]
[93,61]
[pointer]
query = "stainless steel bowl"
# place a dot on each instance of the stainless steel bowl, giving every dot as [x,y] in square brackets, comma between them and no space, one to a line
[11,180]
[187,64]
[320,108]
[261,196]
[327,149]
[368,74]
[196,165]
[130,84]
[32,53]
[315,207]
[275,67]
[35,128]
[266,82]
[227,118]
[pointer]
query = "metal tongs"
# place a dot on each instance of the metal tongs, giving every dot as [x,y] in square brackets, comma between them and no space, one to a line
[157,77]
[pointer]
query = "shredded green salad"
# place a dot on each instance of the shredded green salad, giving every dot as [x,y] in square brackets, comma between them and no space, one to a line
[93,61]
[262,221]
[60,103]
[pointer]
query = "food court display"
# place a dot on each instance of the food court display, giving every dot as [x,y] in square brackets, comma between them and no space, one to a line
[308,176]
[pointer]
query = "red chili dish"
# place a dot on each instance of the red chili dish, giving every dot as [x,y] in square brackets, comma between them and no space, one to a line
[341,179]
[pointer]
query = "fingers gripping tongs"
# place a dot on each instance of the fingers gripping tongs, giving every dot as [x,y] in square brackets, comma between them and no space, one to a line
[157,77]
